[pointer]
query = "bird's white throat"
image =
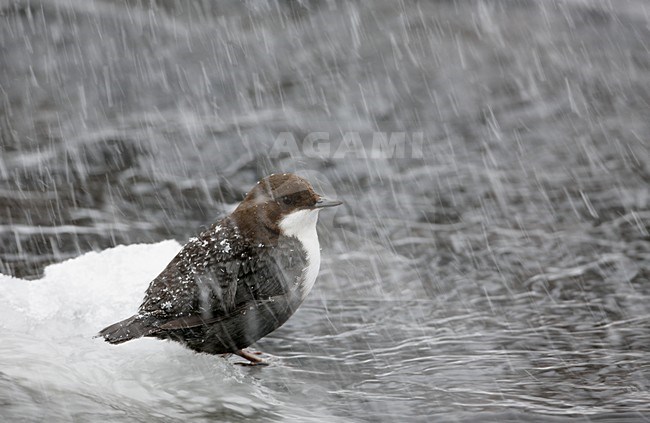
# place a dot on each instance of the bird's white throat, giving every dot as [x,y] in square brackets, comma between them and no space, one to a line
[302,225]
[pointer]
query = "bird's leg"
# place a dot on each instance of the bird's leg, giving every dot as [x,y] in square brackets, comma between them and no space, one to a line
[251,357]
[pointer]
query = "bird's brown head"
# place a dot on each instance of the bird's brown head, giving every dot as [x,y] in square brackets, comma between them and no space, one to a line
[279,204]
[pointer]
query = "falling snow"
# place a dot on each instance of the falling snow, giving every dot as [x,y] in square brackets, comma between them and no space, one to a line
[499,266]
[225,245]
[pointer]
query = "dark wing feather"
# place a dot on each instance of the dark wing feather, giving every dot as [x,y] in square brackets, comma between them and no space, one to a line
[202,278]
[195,321]
[269,276]
[213,277]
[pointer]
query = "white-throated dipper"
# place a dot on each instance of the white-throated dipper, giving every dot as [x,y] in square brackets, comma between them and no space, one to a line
[240,279]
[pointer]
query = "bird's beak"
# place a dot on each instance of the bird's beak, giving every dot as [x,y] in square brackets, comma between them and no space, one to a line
[326,202]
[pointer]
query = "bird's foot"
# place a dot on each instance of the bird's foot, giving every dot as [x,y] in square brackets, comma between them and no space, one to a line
[252,357]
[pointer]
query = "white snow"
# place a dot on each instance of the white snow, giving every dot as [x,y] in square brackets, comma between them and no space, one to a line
[90,291]
[47,330]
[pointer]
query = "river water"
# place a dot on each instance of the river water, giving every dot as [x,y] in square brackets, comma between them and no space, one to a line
[492,258]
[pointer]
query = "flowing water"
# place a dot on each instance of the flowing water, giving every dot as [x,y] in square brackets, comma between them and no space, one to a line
[492,258]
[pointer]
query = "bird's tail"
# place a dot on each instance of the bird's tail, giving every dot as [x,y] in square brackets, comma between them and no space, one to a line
[131,328]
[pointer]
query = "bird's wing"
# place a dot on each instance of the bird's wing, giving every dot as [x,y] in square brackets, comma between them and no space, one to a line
[202,278]
[187,322]
[272,272]
[266,279]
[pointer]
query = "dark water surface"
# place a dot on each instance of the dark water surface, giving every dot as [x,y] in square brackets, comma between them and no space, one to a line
[501,272]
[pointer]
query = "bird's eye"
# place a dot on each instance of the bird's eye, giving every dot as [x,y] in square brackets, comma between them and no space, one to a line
[287,200]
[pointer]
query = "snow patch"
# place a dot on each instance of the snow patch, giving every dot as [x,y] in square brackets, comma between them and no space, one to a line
[90,291]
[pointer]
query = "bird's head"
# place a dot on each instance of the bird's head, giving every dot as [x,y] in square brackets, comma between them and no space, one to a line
[282,203]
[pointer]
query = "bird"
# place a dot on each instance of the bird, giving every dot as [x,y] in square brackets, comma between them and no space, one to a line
[240,279]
